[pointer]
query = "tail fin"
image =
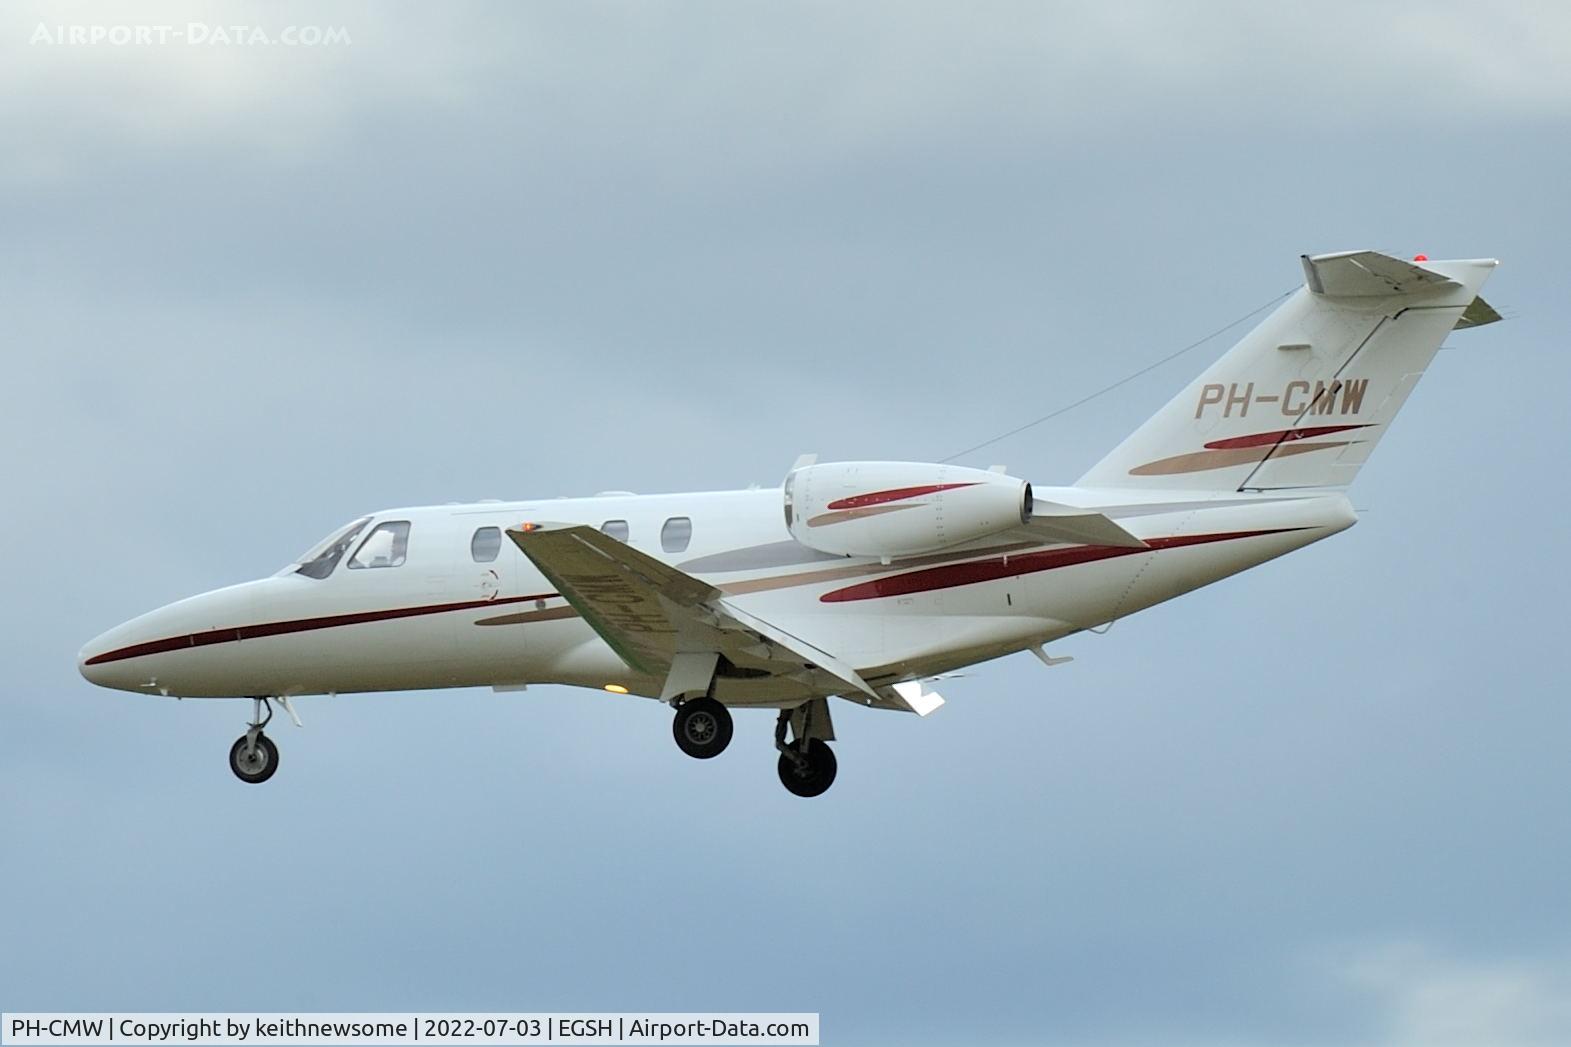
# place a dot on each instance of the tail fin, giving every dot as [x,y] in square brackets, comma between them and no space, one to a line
[1302,400]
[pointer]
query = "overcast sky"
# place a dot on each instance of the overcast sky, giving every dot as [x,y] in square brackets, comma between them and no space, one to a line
[250,292]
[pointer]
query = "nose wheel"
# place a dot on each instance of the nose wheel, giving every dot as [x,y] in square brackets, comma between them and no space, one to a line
[702,728]
[253,761]
[254,757]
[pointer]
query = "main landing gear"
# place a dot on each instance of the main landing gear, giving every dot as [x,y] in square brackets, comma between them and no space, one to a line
[807,766]
[702,727]
[254,757]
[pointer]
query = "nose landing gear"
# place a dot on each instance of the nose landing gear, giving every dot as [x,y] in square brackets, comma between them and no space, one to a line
[254,757]
[253,762]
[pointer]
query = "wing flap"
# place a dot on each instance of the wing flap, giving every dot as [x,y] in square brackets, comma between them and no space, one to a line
[810,655]
[914,696]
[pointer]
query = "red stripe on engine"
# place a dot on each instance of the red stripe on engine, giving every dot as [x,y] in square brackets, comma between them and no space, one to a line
[893,495]
[1280,436]
[952,575]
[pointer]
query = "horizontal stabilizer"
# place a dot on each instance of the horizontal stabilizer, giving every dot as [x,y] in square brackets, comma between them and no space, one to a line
[1051,522]
[1367,274]
[1477,314]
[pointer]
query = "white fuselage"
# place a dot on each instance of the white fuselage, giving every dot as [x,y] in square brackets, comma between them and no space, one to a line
[448,616]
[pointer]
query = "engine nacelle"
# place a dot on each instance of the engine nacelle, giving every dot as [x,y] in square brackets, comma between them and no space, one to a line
[889,509]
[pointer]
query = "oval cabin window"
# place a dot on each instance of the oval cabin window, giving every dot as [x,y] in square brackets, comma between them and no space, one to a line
[676,533]
[486,544]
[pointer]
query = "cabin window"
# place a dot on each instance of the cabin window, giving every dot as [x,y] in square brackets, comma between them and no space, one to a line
[387,546]
[676,533]
[324,556]
[486,543]
[616,529]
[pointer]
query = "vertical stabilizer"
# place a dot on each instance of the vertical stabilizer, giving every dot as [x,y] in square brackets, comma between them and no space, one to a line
[1302,400]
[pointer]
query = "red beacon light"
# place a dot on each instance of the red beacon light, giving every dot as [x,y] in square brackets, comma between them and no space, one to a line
[1420,258]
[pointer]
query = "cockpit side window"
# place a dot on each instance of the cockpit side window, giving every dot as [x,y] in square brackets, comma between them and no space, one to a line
[387,546]
[324,556]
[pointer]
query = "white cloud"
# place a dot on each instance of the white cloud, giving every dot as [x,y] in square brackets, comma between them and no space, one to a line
[782,83]
[1426,998]
[205,78]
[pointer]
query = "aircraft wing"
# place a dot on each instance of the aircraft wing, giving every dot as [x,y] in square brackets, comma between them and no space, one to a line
[667,624]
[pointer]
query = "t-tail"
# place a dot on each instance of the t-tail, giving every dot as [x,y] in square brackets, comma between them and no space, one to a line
[1304,398]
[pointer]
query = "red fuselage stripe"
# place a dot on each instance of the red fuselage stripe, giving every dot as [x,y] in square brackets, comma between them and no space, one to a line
[951,575]
[298,625]
[895,495]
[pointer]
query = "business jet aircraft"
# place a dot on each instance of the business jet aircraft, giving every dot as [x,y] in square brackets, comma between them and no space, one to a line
[857,580]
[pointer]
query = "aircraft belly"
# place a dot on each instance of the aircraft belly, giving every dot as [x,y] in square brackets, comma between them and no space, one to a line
[1193,550]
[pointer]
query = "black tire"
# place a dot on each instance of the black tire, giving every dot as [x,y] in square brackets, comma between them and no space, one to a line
[702,728]
[257,768]
[816,776]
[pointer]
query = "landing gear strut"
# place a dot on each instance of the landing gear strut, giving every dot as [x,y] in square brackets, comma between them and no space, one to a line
[807,764]
[702,727]
[254,757]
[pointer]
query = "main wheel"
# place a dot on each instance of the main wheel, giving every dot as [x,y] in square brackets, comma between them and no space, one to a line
[257,766]
[815,775]
[702,728]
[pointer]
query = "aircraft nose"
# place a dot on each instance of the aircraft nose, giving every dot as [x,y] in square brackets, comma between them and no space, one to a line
[170,650]
[95,668]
